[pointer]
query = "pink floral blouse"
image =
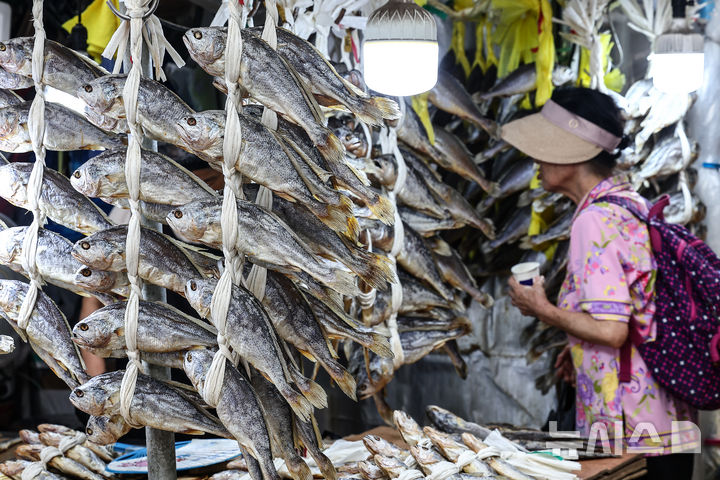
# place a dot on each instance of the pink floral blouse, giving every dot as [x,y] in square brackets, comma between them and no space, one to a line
[610,275]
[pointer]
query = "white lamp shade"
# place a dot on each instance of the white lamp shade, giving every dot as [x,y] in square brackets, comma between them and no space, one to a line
[677,72]
[400,67]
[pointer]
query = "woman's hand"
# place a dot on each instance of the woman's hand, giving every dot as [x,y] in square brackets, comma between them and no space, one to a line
[565,367]
[530,300]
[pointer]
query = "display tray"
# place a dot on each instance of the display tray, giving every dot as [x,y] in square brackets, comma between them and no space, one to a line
[189,455]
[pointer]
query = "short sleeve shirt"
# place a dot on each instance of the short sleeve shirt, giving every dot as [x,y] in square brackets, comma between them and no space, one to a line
[610,275]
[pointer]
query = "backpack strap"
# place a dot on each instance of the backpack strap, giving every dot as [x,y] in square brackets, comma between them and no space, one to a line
[624,375]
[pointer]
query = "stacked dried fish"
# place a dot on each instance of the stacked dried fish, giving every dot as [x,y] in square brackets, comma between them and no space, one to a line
[76,457]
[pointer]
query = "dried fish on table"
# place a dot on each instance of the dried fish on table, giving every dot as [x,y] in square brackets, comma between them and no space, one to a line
[264,238]
[290,177]
[450,95]
[159,109]
[237,408]
[251,334]
[161,328]
[497,464]
[57,198]
[267,77]
[15,468]
[81,454]
[53,259]
[64,130]
[161,260]
[63,464]
[394,468]
[452,451]
[106,454]
[155,404]
[47,332]
[162,180]
[64,69]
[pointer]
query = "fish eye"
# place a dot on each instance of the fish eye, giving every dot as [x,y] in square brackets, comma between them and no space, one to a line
[188,357]
[197,34]
[2,47]
[191,121]
[79,393]
[84,327]
[177,214]
[76,174]
[88,88]
[85,272]
[193,286]
[348,136]
[89,431]
[85,245]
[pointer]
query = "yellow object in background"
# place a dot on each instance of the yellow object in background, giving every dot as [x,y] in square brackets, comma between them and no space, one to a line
[614,80]
[420,106]
[540,222]
[524,33]
[100,22]
[457,45]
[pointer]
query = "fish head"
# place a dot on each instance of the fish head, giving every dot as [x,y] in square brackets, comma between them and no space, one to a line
[193,221]
[425,455]
[16,55]
[205,44]
[97,394]
[103,250]
[196,364]
[353,141]
[93,331]
[383,169]
[408,427]
[94,279]
[199,292]
[202,130]
[104,430]
[14,468]
[562,75]
[103,93]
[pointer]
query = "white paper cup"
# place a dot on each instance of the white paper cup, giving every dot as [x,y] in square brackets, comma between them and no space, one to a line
[524,273]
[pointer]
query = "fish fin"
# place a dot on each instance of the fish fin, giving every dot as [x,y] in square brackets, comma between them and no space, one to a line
[306,91]
[374,269]
[120,332]
[323,174]
[491,188]
[373,110]
[382,208]
[298,403]
[343,281]
[193,432]
[380,345]
[313,392]
[331,147]
[350,86]
[342,377]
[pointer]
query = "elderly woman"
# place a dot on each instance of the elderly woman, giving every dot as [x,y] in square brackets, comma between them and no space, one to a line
[576,139]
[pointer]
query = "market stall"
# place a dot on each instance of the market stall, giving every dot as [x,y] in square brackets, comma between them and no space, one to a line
[290,225]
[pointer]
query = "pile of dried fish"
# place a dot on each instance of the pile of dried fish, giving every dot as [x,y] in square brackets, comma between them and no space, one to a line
[77,456]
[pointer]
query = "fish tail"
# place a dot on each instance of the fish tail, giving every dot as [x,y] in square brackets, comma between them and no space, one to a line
[267,467]
[337,216]
[382,208]
[313,392]
[310,437]
[298,468]
[374,269]
[330,146]
[342,282]
[373,110]
[299,404]
[342,377]
[380,345]
[483,298]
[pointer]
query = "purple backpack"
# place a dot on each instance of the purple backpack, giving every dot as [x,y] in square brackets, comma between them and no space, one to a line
[685,357]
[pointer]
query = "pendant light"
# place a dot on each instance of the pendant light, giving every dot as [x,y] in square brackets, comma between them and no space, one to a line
[400,51]
[677,63]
